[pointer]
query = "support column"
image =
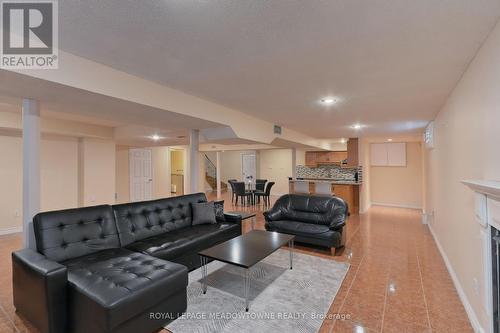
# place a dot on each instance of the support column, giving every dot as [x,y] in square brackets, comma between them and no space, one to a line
[81,166]
[31,168]
[194,161]
[294,163]
[218,175]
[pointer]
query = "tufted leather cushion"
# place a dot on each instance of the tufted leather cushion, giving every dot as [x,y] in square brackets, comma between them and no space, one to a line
[117,284]
[66,234]
[141,220]
[180,242]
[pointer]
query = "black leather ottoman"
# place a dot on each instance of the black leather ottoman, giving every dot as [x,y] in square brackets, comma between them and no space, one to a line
[119,288]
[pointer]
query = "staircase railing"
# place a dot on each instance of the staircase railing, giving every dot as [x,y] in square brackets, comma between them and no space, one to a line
[211,174]
[210,168]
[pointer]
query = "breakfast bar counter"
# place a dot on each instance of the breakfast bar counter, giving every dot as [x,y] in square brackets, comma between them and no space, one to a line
[345,189]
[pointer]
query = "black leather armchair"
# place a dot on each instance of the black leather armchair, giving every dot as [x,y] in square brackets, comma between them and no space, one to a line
[317,220]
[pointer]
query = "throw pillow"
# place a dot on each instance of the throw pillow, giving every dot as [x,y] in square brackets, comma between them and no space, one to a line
[203,213]
[219,211]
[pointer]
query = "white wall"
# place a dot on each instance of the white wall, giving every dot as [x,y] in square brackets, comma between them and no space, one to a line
[402,185]
[271,164]
[122,174]
[59,169]
[364,161]
[11,177]
[467,138]
[58,173]
[161,172]
[276,166]
[99,182]
[231,164]
[300,156]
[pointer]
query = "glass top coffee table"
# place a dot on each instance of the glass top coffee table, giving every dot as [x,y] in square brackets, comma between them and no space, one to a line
[245,251]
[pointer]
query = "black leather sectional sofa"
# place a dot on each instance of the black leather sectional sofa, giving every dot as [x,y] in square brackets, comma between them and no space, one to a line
[317,220]
[121,268]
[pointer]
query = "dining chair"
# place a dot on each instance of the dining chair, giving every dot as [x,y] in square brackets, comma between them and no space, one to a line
[265,194]
[260,184]
[241,192]
[233,193]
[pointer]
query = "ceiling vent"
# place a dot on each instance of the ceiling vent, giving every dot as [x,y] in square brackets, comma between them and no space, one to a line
[277,129]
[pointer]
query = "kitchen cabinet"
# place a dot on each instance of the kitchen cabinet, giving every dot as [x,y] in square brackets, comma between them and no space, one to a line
[388,154]
[350,194]
[337,156]
[313,158]
[352,152]
[396,154]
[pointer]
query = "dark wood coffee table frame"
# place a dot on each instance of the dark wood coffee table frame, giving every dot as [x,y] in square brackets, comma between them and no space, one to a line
[245,216]
[245,251]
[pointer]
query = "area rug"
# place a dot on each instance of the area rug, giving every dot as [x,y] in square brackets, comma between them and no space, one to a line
[281,300]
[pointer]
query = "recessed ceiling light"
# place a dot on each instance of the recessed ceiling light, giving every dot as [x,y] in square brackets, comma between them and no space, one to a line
[328,100]
[155,137]
[389,140]
[357,126]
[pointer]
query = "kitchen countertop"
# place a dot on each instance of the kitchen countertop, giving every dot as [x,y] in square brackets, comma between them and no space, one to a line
[324,180]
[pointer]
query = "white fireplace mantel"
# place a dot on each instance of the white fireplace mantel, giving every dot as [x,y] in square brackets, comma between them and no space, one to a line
[490,188]
[487,215]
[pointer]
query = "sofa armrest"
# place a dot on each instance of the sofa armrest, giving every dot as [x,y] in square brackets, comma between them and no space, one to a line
[39,290]
[337,226]
[232,218]
[273,215]
[338,222]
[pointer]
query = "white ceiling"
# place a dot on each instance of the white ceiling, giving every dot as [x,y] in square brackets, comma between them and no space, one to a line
[392,64]
[133,123]
[64,102]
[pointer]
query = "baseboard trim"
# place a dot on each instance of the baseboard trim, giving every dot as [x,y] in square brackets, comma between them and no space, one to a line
[396,205]
[12,230]
[461,294]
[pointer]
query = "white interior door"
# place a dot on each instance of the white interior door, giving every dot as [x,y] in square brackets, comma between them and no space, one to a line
[248,167]
[141,175]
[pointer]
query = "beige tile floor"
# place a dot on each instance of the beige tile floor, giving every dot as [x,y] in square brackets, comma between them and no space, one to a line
[397,281]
